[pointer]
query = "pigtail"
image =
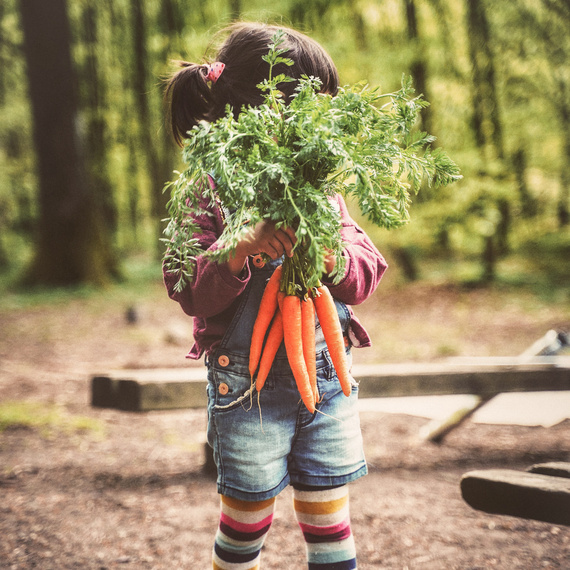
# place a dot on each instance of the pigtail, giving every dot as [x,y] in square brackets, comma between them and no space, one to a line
[189,99]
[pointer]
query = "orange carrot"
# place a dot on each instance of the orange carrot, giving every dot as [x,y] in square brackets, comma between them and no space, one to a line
[309,350]
[293,335]
[330,325]
[272,344]
[265,313]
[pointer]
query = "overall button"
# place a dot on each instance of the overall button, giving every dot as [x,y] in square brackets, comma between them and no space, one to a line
[258,260]
[223,360]
[223,389]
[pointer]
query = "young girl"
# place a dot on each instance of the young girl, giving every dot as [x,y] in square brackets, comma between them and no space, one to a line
[317,454]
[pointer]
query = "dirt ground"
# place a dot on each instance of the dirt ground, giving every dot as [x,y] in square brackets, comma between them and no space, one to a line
[133,494]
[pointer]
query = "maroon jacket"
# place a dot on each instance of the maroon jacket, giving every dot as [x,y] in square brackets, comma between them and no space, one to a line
[213,295]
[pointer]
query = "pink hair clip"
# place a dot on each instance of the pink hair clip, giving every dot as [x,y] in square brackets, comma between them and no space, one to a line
[214,71]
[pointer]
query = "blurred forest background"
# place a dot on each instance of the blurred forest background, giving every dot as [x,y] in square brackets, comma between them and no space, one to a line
[85,151]
[482,269]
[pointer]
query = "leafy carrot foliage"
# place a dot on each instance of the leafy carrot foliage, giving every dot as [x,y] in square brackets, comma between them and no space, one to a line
[283,161]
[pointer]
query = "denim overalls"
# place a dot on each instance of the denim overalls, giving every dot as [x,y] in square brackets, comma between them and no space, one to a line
[264,441]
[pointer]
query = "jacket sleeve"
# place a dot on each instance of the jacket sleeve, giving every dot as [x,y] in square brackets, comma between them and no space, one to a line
[213,288]
[365,265]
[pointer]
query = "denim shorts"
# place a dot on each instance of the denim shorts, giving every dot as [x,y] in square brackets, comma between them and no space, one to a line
[265,441]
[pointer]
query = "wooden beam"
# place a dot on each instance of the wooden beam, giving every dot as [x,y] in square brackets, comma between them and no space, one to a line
[166,389]
[554,468]
[441,379]
[150,389]
[436,430]
[519,494]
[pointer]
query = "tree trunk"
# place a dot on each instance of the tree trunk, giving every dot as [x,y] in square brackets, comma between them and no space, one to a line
[235,9]
[133,193]
[528,203]
[447,28]
[564,196]
[158,169]
[486,120]
[2,57]
[71,247]
[92,106]
[171,19]
[489,259]
[503,229]
[359,26]
[418,67]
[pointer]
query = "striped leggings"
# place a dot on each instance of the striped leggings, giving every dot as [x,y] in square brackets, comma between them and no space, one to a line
[322,514]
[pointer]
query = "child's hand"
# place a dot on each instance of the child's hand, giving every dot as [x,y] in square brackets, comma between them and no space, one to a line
[263,238]
[330,262]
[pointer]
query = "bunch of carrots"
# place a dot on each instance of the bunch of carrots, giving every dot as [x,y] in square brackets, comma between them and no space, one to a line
[352,144]
[291,318]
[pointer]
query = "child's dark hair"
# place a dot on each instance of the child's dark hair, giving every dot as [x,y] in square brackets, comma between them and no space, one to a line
[193,98]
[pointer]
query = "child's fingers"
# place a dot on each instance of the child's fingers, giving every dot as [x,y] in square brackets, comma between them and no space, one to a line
[279,245]
[264,238]
[290,234]
[274,248]
[287,238]
[280,242]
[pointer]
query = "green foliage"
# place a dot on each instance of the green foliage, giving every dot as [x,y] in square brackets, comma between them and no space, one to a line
[366,39]
[283,161]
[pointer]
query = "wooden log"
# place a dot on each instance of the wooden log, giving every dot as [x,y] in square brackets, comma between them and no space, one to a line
[440,379]
[436,430]
[165,389]
[150,389]
[554,469]
[137,396]
[104,391]
[519,494]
